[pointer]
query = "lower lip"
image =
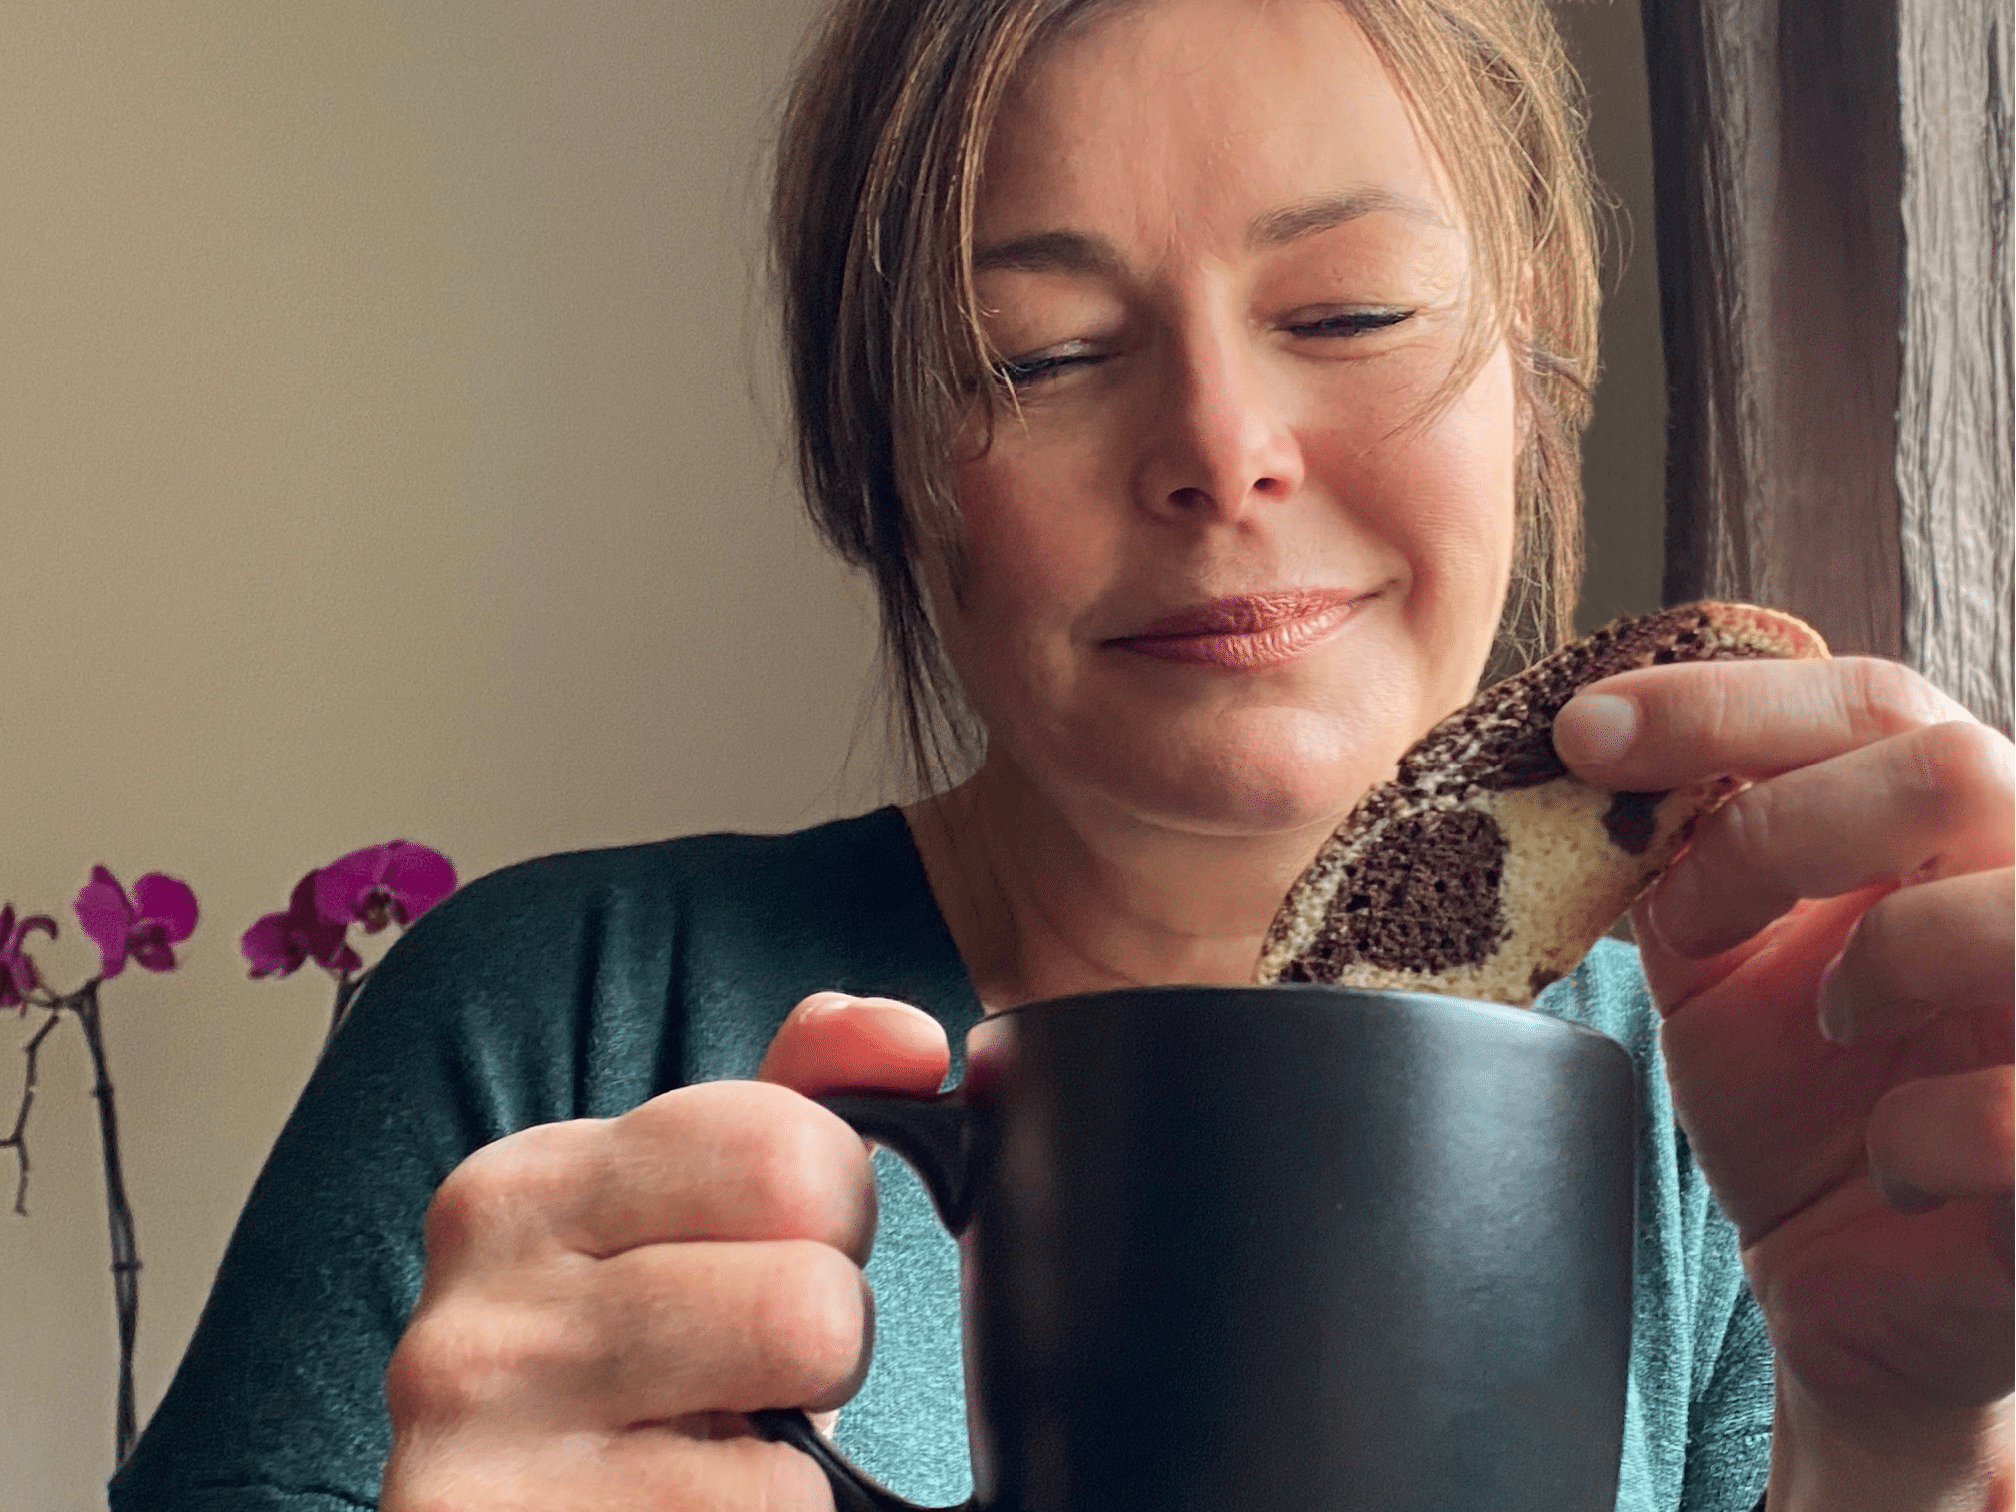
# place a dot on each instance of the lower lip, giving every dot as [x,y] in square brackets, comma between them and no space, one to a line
[1246,651]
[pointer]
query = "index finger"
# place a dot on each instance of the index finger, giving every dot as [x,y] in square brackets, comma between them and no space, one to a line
[716,1161]
[1660,728]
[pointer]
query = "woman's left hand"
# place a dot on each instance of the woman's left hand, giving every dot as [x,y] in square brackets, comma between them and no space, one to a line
[1833,958]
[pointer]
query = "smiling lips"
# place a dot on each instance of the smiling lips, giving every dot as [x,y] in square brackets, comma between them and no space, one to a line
[1246,634]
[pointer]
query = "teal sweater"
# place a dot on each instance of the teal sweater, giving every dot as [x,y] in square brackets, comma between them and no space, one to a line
[577,987]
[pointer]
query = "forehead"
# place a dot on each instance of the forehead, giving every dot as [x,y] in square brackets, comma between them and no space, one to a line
[1201,118]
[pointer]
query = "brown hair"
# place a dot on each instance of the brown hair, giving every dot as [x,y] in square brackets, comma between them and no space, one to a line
[878,180]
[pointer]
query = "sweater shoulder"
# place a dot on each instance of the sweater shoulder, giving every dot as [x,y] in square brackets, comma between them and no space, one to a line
[557,913]
[732,869]
[644,967]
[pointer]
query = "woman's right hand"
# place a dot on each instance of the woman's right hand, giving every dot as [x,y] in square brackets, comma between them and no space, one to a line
[604,1299]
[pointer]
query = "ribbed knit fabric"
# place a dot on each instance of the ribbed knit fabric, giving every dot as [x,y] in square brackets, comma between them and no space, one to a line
[581,985]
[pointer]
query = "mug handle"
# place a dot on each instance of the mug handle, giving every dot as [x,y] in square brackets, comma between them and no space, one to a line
[936,1136]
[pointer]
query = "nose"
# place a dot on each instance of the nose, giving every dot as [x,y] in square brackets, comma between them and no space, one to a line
[1221,444]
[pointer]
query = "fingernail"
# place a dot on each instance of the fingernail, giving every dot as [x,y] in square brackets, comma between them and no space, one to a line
[1596,729]
[1903,1195]
[1837,1018]
[821,1002]
[1671,906]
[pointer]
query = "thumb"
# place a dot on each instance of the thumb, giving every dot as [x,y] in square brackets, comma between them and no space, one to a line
[835,1043]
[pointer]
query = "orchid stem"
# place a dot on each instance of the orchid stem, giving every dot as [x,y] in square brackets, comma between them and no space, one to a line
[18,1140]
[118,1214]
[347,988]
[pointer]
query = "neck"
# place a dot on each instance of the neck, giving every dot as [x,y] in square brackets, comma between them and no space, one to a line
[1046,898]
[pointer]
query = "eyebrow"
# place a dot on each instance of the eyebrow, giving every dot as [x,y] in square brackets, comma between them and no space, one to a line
[1320,213]
[1050,252]
[1076,252]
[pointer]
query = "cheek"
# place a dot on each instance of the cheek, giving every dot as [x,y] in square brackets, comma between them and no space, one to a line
[1035,554]
[1446,493]
[1040,527]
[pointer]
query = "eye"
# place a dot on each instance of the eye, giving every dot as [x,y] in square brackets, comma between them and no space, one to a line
[1020,372]
[1349,323]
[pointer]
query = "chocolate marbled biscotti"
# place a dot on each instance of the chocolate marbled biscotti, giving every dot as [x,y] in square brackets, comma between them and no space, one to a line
[1484,869]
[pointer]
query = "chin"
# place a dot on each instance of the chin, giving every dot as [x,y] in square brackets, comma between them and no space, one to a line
[1275,773]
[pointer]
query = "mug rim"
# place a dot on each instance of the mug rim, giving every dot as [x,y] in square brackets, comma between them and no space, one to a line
[1433,1004]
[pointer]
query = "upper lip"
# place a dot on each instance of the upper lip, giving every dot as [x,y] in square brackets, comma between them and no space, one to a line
[1246,613]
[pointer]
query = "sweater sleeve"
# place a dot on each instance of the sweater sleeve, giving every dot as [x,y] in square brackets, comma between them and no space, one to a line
[1697,1433]
[573,986]
[1729,1416]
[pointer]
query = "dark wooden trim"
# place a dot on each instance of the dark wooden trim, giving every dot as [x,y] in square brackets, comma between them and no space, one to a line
[1833,215]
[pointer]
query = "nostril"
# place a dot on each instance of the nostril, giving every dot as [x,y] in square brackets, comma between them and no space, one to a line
[1190,498]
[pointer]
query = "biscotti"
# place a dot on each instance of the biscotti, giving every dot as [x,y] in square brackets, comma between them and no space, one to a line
[1485,869]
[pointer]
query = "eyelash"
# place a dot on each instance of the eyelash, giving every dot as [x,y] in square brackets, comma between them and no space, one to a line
[1021,372]
[1017,372]
[1357,323]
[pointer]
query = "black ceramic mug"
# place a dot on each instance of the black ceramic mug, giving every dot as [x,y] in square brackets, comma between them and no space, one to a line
[1279,1249]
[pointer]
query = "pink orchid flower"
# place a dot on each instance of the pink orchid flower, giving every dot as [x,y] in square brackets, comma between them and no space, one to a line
[281,943]
[391,883]
[18,976]
[160,915]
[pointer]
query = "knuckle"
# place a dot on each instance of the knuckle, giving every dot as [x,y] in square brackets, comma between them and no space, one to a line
[1741,830]
[505,1187]
[1882,697]
[445,1368]
[1955,762]
[800,1177]
[459,1361]
[808,1322]
[797,1171]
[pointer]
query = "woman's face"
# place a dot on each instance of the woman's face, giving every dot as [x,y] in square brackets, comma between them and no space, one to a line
[1227,559]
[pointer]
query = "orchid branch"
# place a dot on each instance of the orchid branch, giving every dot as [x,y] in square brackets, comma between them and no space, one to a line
[382,885]
[144,927]
[118,1214]
[17,1141]
[118,1211]
[348,985]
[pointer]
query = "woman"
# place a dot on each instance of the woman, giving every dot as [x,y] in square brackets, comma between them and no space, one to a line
[1198,378]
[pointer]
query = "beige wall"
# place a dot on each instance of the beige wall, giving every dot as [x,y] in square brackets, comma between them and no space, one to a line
[380,459]
[381,400]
